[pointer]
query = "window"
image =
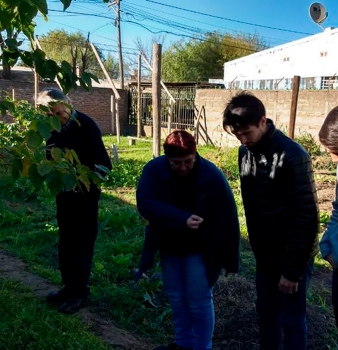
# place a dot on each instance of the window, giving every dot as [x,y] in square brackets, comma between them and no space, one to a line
[329,82]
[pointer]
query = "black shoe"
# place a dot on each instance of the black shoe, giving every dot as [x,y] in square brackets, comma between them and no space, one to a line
[72,305]
[57,297]
[171,346]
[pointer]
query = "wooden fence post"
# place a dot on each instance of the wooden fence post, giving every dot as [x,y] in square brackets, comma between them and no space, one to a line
[294,101]
[156,99]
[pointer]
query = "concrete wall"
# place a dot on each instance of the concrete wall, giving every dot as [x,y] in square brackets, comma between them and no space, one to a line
[312,108]
[96,103]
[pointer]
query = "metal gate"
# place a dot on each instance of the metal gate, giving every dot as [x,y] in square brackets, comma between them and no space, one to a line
[183,113]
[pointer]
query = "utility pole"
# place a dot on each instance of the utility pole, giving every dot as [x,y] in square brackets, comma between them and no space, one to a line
[118,29]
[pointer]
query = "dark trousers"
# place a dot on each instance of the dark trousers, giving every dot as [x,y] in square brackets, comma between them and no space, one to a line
[278,311]
[77,217]
[335,294]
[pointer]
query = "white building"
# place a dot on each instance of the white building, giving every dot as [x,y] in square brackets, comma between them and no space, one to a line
[314,59]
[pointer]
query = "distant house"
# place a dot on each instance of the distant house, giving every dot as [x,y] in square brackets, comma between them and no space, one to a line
[313,58]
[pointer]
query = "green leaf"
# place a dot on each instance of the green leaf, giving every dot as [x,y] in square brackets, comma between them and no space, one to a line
[55,123]
[123,259]
[102,168]
[12,44]
[16,168]
[66,4]
[44,168]
[74,156]
[54,182]
[44,129]
[88,77]
[42,7]
[38,55]
[56,154]
[34,176]
[28,30]
[96,178]
[52,69]
[84,180]
[33,139]
[97,174]
[5,106]
[66,67]
[9,58]
[39,59]
[69,180]
[33,125]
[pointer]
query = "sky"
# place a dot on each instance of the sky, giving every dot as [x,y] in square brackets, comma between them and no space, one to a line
[275,22]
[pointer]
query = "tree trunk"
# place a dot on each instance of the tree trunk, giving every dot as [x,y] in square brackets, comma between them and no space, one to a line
[6,73]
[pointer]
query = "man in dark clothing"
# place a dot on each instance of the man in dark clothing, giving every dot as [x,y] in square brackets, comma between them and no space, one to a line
[76,210]
[280,203]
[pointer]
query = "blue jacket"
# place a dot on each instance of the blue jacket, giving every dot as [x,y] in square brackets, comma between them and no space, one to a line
[329,242]
[219,233]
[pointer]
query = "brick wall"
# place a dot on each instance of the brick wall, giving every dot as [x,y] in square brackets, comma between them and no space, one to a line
[312,108]
[96,103]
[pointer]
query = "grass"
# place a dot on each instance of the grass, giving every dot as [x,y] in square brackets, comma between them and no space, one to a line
[28,230]
[28,324]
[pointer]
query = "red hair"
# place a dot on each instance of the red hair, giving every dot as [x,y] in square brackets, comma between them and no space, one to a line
[179,143]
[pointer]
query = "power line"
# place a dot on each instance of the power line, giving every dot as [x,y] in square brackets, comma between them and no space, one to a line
[195,38]
[270,39]
[159,31]
[103,47]
[81,13]
[195,31]
[147,16]
[83,31]
[229,19]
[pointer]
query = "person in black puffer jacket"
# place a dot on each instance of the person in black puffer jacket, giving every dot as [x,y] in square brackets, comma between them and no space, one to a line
[77,209]
[281,210]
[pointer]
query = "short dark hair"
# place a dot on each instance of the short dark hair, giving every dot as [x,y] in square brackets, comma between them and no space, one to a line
[243,110]
[328,133]
[179,143]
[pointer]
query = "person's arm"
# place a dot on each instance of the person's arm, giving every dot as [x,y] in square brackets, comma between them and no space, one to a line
[224,230]
[329,243]
[100,153]
[302,235]
[154,209]
[92,149]
[232,231]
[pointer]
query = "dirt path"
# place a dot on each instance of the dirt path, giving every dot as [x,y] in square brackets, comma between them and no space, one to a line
[14,269]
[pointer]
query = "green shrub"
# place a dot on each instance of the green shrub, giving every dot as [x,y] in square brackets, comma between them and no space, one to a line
[227,160]
[320,160]
[125,173]
[309,143]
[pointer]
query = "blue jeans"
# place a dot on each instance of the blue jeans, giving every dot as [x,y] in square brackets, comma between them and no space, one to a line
[190,295]
[278,311]
[335,294]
